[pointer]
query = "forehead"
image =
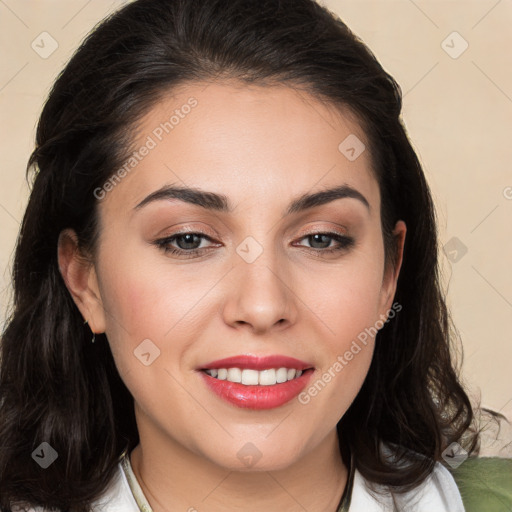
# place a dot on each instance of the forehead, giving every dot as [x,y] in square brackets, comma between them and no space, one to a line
[248,142]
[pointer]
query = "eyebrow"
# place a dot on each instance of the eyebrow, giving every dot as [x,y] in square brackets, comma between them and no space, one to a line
[220,203]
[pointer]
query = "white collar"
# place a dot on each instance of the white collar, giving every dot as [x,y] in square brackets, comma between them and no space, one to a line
[437,493]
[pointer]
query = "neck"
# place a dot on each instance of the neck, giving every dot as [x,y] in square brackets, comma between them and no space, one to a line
[173,478]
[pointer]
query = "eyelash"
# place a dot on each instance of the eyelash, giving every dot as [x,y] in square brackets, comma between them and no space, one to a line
[345,242]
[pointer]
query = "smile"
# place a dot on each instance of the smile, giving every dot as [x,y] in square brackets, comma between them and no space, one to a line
[257,382]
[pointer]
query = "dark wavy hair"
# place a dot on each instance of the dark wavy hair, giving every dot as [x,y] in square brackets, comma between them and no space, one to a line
[57,387]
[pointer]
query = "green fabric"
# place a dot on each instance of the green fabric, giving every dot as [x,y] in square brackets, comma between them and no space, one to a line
[485,484]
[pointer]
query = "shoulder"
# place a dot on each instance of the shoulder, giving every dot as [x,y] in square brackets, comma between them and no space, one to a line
[437,492]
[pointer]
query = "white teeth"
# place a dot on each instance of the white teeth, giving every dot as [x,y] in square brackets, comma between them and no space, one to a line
[234,375]
[281,375]
[267,377]
[249,377]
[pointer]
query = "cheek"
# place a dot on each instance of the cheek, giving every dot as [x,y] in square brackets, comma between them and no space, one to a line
[149,312]
[348,318]
[346,298]
[146,296]
[149,298]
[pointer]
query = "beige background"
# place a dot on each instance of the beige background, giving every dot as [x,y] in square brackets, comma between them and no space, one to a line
[457,108]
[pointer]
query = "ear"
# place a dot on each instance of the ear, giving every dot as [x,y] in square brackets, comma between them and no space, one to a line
[392,271]
[80,277]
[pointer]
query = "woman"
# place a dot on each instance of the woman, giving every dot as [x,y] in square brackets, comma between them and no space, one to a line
[226,283]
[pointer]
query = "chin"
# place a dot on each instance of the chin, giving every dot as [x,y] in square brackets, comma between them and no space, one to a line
[251,459]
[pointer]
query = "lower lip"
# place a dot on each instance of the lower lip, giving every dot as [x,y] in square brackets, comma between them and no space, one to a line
[258,397]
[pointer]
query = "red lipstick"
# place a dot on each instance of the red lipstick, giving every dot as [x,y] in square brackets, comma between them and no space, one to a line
[257,396]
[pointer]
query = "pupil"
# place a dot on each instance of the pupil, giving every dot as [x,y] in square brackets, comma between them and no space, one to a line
[188,240]
[318,237]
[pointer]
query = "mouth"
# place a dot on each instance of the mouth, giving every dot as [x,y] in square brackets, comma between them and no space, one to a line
[257,382]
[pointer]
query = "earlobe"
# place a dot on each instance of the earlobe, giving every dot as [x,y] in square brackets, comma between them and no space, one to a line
[80,278]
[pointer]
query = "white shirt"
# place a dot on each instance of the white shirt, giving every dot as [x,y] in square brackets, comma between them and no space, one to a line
[438,493]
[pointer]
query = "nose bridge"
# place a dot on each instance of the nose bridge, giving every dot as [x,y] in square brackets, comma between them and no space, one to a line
[260,295]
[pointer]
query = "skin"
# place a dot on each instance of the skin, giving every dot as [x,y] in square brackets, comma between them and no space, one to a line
[262,147]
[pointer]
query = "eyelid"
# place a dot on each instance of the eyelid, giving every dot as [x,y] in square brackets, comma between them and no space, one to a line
[314,231]
[184,230]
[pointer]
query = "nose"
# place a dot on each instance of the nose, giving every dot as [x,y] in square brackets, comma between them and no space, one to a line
[259,296]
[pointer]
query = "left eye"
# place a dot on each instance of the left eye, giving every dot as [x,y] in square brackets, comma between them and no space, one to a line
[325,239]
[189,240]
[186,242]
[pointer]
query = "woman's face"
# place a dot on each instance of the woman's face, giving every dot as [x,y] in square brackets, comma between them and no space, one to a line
[263,271]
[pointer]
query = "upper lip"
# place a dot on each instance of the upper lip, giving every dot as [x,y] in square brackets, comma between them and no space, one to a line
[258,363]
